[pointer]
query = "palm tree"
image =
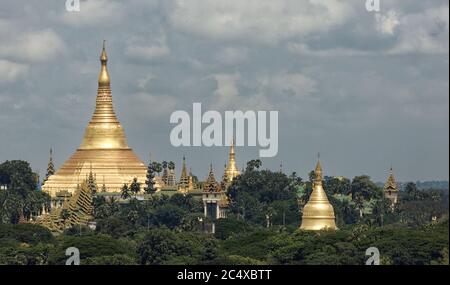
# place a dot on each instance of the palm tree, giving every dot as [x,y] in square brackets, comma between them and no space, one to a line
[135,187]
[125,194]
[157,168]
[150,183]
[359,202]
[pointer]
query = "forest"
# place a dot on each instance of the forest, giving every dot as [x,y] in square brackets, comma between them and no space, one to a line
[262,226]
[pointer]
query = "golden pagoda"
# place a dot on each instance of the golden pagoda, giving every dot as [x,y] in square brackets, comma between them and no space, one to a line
[104,147]
[231,171]
[318,213]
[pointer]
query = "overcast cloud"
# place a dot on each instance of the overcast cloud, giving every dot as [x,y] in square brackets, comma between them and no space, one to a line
[366,90]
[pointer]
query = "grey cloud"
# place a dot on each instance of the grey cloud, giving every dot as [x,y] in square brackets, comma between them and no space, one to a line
[425,32]
[10,71]
[266,21]
[138,50]
[95,13]
[366,94]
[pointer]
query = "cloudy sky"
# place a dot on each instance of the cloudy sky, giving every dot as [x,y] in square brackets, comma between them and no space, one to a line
[367,90]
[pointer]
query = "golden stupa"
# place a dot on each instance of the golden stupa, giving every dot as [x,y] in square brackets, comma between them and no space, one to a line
[318,213]
[231,171]
[104,148]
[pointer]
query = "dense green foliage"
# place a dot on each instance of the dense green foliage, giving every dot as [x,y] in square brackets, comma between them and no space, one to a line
[264,197]
[22,197]
[255,245]
[261,228]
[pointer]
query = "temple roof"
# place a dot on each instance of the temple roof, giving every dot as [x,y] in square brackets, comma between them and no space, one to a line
[211,184]
[184,178]
[390,183]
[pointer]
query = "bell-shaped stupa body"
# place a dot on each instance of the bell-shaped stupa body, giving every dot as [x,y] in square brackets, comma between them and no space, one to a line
[318,213]
[104,148]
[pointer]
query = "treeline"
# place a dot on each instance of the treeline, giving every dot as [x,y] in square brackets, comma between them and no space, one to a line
[432,185]
[261,228]
[235,243]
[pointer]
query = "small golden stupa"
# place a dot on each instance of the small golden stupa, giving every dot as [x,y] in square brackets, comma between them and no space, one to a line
[318,213]
[104,148]
[231,171]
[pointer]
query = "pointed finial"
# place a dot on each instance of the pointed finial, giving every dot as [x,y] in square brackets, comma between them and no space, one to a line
[103,77]
[103,57]
[183,170]
[50,159]
[318,170]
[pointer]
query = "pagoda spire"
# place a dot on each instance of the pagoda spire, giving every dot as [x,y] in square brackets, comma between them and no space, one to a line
[232,155]
[104,145]
[318,213]
[211,184]
[191,180]
[231,171]
[103,77]
[91,180]
[184,178]
[318,172]
[211,173]
[390,189]
[390,183]
[50,166]
[104,129]
[183,167]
